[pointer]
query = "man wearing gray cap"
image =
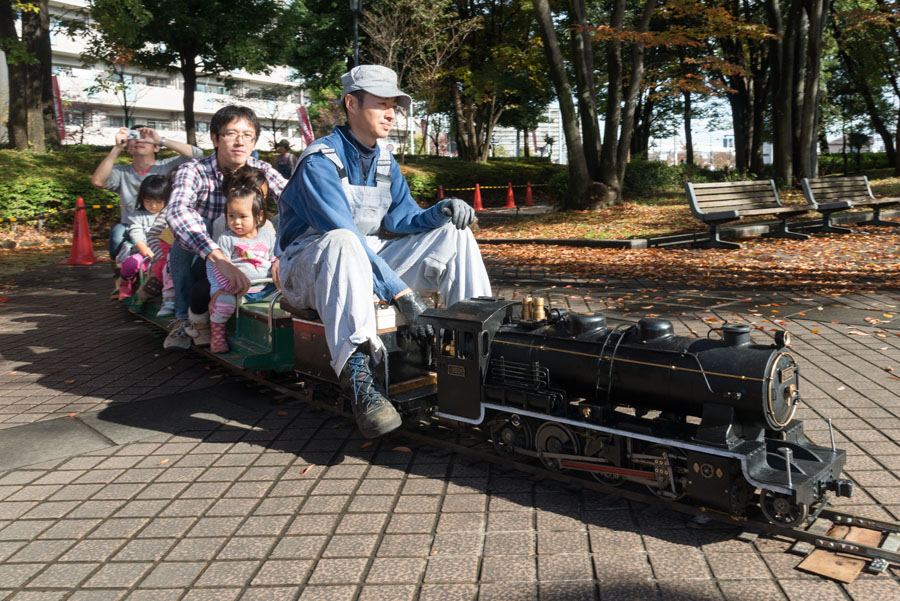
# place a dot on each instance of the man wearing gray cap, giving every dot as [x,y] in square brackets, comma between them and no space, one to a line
[349,227]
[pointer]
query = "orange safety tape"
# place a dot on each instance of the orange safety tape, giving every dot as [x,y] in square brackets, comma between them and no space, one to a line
[54,214]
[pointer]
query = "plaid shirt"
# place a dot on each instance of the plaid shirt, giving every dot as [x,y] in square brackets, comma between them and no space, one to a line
[197,195]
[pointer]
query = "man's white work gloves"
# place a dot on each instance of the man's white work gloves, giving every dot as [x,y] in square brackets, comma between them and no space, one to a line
[461,214]
[411,306]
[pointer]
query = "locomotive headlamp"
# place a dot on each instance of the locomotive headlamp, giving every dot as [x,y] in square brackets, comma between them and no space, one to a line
[782,338]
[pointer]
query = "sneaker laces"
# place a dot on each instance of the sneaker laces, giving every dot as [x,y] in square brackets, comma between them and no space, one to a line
[361,379]
[179,331]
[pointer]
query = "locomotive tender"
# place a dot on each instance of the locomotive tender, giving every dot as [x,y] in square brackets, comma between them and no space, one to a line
[705,420]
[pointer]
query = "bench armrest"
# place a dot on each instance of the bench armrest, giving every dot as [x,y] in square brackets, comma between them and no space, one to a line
[834,206]
[720,215]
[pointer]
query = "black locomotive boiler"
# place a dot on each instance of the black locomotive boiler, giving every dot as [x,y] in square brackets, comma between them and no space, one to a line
[709,420]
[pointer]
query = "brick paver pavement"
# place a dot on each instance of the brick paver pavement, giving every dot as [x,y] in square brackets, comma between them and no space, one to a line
[166,479]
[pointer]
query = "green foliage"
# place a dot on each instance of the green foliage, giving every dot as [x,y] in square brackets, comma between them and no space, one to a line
[558,185]
[38,183]
[643,177]
[830,164]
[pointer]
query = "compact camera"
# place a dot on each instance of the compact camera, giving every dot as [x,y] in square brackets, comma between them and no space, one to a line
[134,134]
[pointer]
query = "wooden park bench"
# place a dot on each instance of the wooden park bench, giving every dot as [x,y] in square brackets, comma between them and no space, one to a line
[722,202]
[831,194]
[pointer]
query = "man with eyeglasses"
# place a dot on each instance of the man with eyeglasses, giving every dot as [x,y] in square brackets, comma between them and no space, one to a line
[197,199]
[349,227]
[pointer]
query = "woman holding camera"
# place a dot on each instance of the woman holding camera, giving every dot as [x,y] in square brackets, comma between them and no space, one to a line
[142,143]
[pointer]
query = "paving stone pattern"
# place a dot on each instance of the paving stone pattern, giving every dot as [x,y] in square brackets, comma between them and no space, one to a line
[280,502]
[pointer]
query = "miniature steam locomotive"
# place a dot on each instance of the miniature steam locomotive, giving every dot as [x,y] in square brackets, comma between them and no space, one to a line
[705,420]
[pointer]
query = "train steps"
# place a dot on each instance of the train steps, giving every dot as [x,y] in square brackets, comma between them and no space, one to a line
[248,336]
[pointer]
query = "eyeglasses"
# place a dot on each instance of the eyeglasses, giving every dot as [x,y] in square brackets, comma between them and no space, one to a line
[236,135]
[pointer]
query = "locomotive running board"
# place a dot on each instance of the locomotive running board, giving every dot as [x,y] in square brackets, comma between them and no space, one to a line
[742,458]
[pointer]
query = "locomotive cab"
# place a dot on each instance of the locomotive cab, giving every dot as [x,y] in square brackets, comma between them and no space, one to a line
[464,334]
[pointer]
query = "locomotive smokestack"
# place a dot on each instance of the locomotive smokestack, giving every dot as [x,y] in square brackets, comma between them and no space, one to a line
[736,334]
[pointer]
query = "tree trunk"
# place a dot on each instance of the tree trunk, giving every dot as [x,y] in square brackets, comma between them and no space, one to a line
[809,118]
[462,145]
[34,107]
[760,99]
[189,73]
[579,176]
[583,59]
[688,135]
[800,21]
[526,149]
[897,154]
[782,56]
[608,150]
[45,56]
[741,123]
[17,126]
[631,95]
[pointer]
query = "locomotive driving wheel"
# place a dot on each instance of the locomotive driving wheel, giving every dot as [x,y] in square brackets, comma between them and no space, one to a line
[557,439]
[595,448]
[669,465]
[510,433]
[780,510]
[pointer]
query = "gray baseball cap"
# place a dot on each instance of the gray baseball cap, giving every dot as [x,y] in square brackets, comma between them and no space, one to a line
[376,80]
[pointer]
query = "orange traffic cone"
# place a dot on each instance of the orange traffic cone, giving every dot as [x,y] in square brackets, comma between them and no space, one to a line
[440,192]
[82,249]
[510,201]
[529,201]
[477,202]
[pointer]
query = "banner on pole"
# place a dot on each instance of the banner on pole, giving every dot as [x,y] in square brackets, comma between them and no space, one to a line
[305,127]
[58,111]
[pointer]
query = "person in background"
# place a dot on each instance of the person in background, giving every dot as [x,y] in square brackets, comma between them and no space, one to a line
[125,179]
[285,161]
[152,197]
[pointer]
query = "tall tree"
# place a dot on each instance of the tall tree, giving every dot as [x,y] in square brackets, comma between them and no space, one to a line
[417,39]
[796,58]
[580,181]
[193,37]
[498,64]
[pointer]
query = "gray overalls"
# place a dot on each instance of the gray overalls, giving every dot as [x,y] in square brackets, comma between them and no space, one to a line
[331,273]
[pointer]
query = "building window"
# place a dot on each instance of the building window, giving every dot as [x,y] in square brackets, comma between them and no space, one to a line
[158,82]
[158,124]
[59,70]
[202,126]
[114,121]
[211,88]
